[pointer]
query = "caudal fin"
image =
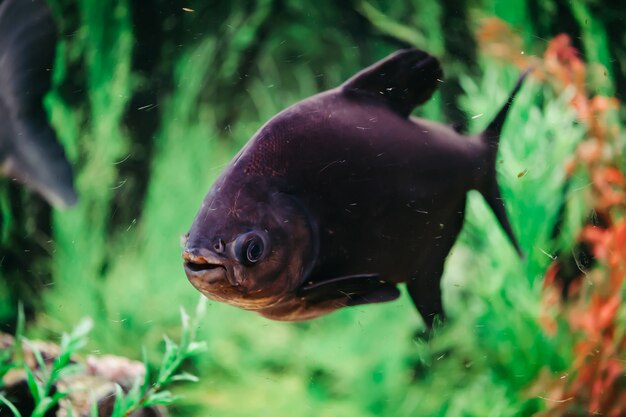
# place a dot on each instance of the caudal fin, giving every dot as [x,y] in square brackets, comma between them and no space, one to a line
[29,150]
[491,190]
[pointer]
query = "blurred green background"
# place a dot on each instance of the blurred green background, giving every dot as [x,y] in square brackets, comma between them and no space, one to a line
[152,99]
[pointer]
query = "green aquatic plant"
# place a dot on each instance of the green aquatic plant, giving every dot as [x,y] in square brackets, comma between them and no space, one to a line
[42,378]
[150,390]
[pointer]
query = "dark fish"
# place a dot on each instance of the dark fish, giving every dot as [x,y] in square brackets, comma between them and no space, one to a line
[341,197]
[29,150]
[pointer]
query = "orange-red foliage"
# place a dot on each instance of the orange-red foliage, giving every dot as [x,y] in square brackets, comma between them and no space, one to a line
[595,384]
[499,41]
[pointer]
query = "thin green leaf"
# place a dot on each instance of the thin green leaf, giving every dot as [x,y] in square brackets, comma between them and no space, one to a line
[69,370]
[200,309]
[185,376]
[184,318]
[135,394]
[65,341]
[169,360]
[83,328]
[185,336]
[70,343]
[47,403]
[21,320]
[5,366]
[35,388]
[42,407]
[170,348]
[93,412]
[196,347]
[146,377]
[160,398]
[119,408]
[59,395]
[390,27]
[10,406]
[41,363]
[62,360]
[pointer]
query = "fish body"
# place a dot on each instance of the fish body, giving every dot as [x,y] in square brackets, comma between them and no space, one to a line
[342,196]
[29,150]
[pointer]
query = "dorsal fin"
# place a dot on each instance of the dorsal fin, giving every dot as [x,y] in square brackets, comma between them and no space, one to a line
[403,80]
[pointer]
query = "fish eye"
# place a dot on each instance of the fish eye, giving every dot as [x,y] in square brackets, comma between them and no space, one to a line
[250,248]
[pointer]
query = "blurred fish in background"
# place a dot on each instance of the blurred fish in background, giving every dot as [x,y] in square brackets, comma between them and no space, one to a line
[29,149]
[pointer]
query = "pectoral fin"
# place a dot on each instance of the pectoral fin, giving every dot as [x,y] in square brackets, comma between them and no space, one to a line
[350,289]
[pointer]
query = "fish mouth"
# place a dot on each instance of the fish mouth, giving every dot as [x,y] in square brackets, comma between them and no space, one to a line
[205,273]
[199,267]
[203,269]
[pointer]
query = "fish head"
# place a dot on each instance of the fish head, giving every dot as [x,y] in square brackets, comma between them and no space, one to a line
[249,247]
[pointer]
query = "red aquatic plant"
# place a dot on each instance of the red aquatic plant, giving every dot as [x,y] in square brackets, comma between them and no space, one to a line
[497,40]
[595,383]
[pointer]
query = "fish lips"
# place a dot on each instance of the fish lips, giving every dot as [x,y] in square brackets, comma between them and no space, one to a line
[206,271]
